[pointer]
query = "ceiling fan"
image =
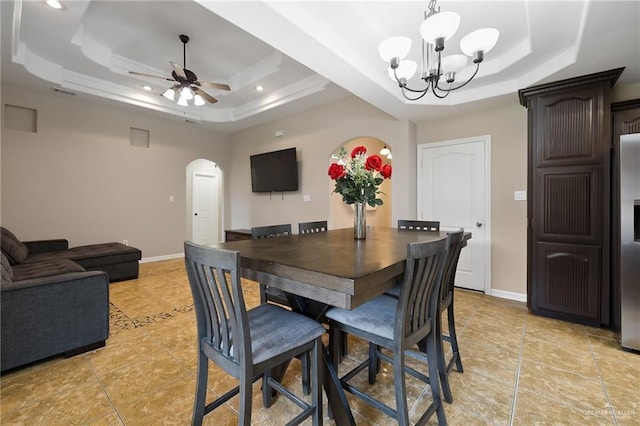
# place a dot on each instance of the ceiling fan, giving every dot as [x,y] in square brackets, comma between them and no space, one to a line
[187,85]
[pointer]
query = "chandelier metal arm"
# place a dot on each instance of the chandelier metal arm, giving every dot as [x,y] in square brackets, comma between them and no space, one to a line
[450,89]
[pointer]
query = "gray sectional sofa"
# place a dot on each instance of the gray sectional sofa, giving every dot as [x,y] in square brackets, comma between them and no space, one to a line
[55,299]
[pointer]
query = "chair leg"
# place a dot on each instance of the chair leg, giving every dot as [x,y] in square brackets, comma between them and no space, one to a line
[454,338]
[304,360]
[374,363]
[400,387]
[442,362]
[246,394]
[343,345]
[433,376]
[263,294]
[201,389]
[267,391]
[316,382]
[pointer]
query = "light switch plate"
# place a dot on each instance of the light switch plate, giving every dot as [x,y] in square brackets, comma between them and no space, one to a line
[520,195]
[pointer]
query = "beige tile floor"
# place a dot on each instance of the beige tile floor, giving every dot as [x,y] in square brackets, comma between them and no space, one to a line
[520,369]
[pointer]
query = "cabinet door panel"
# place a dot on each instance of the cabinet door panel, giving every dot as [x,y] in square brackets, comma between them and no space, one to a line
[569,204]
[568,277]
[568,129]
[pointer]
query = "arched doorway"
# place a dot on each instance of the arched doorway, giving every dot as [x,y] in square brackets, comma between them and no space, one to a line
[341,214]
[204,215]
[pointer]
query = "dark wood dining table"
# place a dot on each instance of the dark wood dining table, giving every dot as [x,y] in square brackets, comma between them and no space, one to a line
[333,269]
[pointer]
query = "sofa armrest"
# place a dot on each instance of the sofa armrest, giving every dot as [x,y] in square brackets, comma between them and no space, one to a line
[43,246]
[43,317]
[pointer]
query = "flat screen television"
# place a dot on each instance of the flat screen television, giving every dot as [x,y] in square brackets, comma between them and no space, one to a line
[275,171]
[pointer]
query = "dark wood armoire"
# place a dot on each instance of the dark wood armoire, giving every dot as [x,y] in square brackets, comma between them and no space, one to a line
[569,208]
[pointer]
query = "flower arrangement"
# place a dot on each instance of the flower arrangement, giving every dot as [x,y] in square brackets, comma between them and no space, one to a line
[357,178]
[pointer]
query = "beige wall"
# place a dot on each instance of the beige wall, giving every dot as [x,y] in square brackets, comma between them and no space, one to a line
[78,177]
[508,129]
[316,134]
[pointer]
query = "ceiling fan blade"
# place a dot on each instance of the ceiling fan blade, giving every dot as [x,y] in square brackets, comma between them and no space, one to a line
[177,68]
[219,86]
[204,95]
[151,75]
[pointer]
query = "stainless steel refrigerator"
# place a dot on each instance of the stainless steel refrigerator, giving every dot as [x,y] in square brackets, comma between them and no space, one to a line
[629,239]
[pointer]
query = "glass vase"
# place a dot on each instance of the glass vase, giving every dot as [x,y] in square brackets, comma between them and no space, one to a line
[360,221]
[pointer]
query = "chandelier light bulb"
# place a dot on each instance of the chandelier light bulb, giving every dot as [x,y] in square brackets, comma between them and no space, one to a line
[394,47]
[439,25]
[197,100]
[481,40]
[454,63]
[406,70]
[436,69]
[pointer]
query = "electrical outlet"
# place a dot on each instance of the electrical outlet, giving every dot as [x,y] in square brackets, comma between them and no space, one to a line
[125,242]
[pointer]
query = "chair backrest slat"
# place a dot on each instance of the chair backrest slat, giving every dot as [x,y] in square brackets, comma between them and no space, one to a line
[312,227]
[419,225]
[221,315]
[456,242]
[418,300]
[270,231]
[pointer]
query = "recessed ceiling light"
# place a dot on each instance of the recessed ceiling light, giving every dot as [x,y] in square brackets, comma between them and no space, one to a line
[259,88]
[54,4]
[147,87]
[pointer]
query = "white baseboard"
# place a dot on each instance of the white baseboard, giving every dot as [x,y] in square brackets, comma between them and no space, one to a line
[158,258]
[520,297]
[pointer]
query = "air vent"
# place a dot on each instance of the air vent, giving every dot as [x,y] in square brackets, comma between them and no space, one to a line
[63,91]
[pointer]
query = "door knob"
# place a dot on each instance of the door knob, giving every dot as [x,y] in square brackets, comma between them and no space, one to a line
[195,214]
[479,224]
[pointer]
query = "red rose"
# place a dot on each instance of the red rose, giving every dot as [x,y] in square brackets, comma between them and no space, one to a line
[386,171]
[358,150]
[336,171]
[374,162]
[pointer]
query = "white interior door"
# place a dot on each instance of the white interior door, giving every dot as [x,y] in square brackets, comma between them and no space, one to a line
[206,191]
[454,188]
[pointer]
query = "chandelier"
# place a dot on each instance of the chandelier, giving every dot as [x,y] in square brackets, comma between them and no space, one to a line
[436,28]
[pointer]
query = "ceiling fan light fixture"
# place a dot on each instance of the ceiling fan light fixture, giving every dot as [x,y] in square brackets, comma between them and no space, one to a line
[182,101]
[385,151]
[198,101]
[169,94]
[54,4]
[186,93]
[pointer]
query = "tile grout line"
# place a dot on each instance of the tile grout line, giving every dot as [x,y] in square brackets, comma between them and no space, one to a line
[115,409]
[612,411]
[516,384]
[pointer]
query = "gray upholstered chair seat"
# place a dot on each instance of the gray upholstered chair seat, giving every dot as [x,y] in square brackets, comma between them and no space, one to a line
[275,330]
[377,316]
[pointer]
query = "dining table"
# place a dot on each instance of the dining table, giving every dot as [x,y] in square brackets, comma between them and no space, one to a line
[325,269]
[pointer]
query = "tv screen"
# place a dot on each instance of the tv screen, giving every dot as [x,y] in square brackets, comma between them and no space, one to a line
[275,171]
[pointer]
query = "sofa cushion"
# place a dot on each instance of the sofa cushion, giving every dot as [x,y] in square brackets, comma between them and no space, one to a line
[93,256]
[6,270]
[15,251]
[46,268]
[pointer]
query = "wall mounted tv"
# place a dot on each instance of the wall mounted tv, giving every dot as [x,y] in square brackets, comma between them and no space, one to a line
[275,171]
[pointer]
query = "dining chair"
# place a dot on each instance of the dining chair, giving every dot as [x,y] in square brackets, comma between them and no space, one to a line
[312,227]
[268,294]
[397,325]
[419,225]
[456,242]
[246,344]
